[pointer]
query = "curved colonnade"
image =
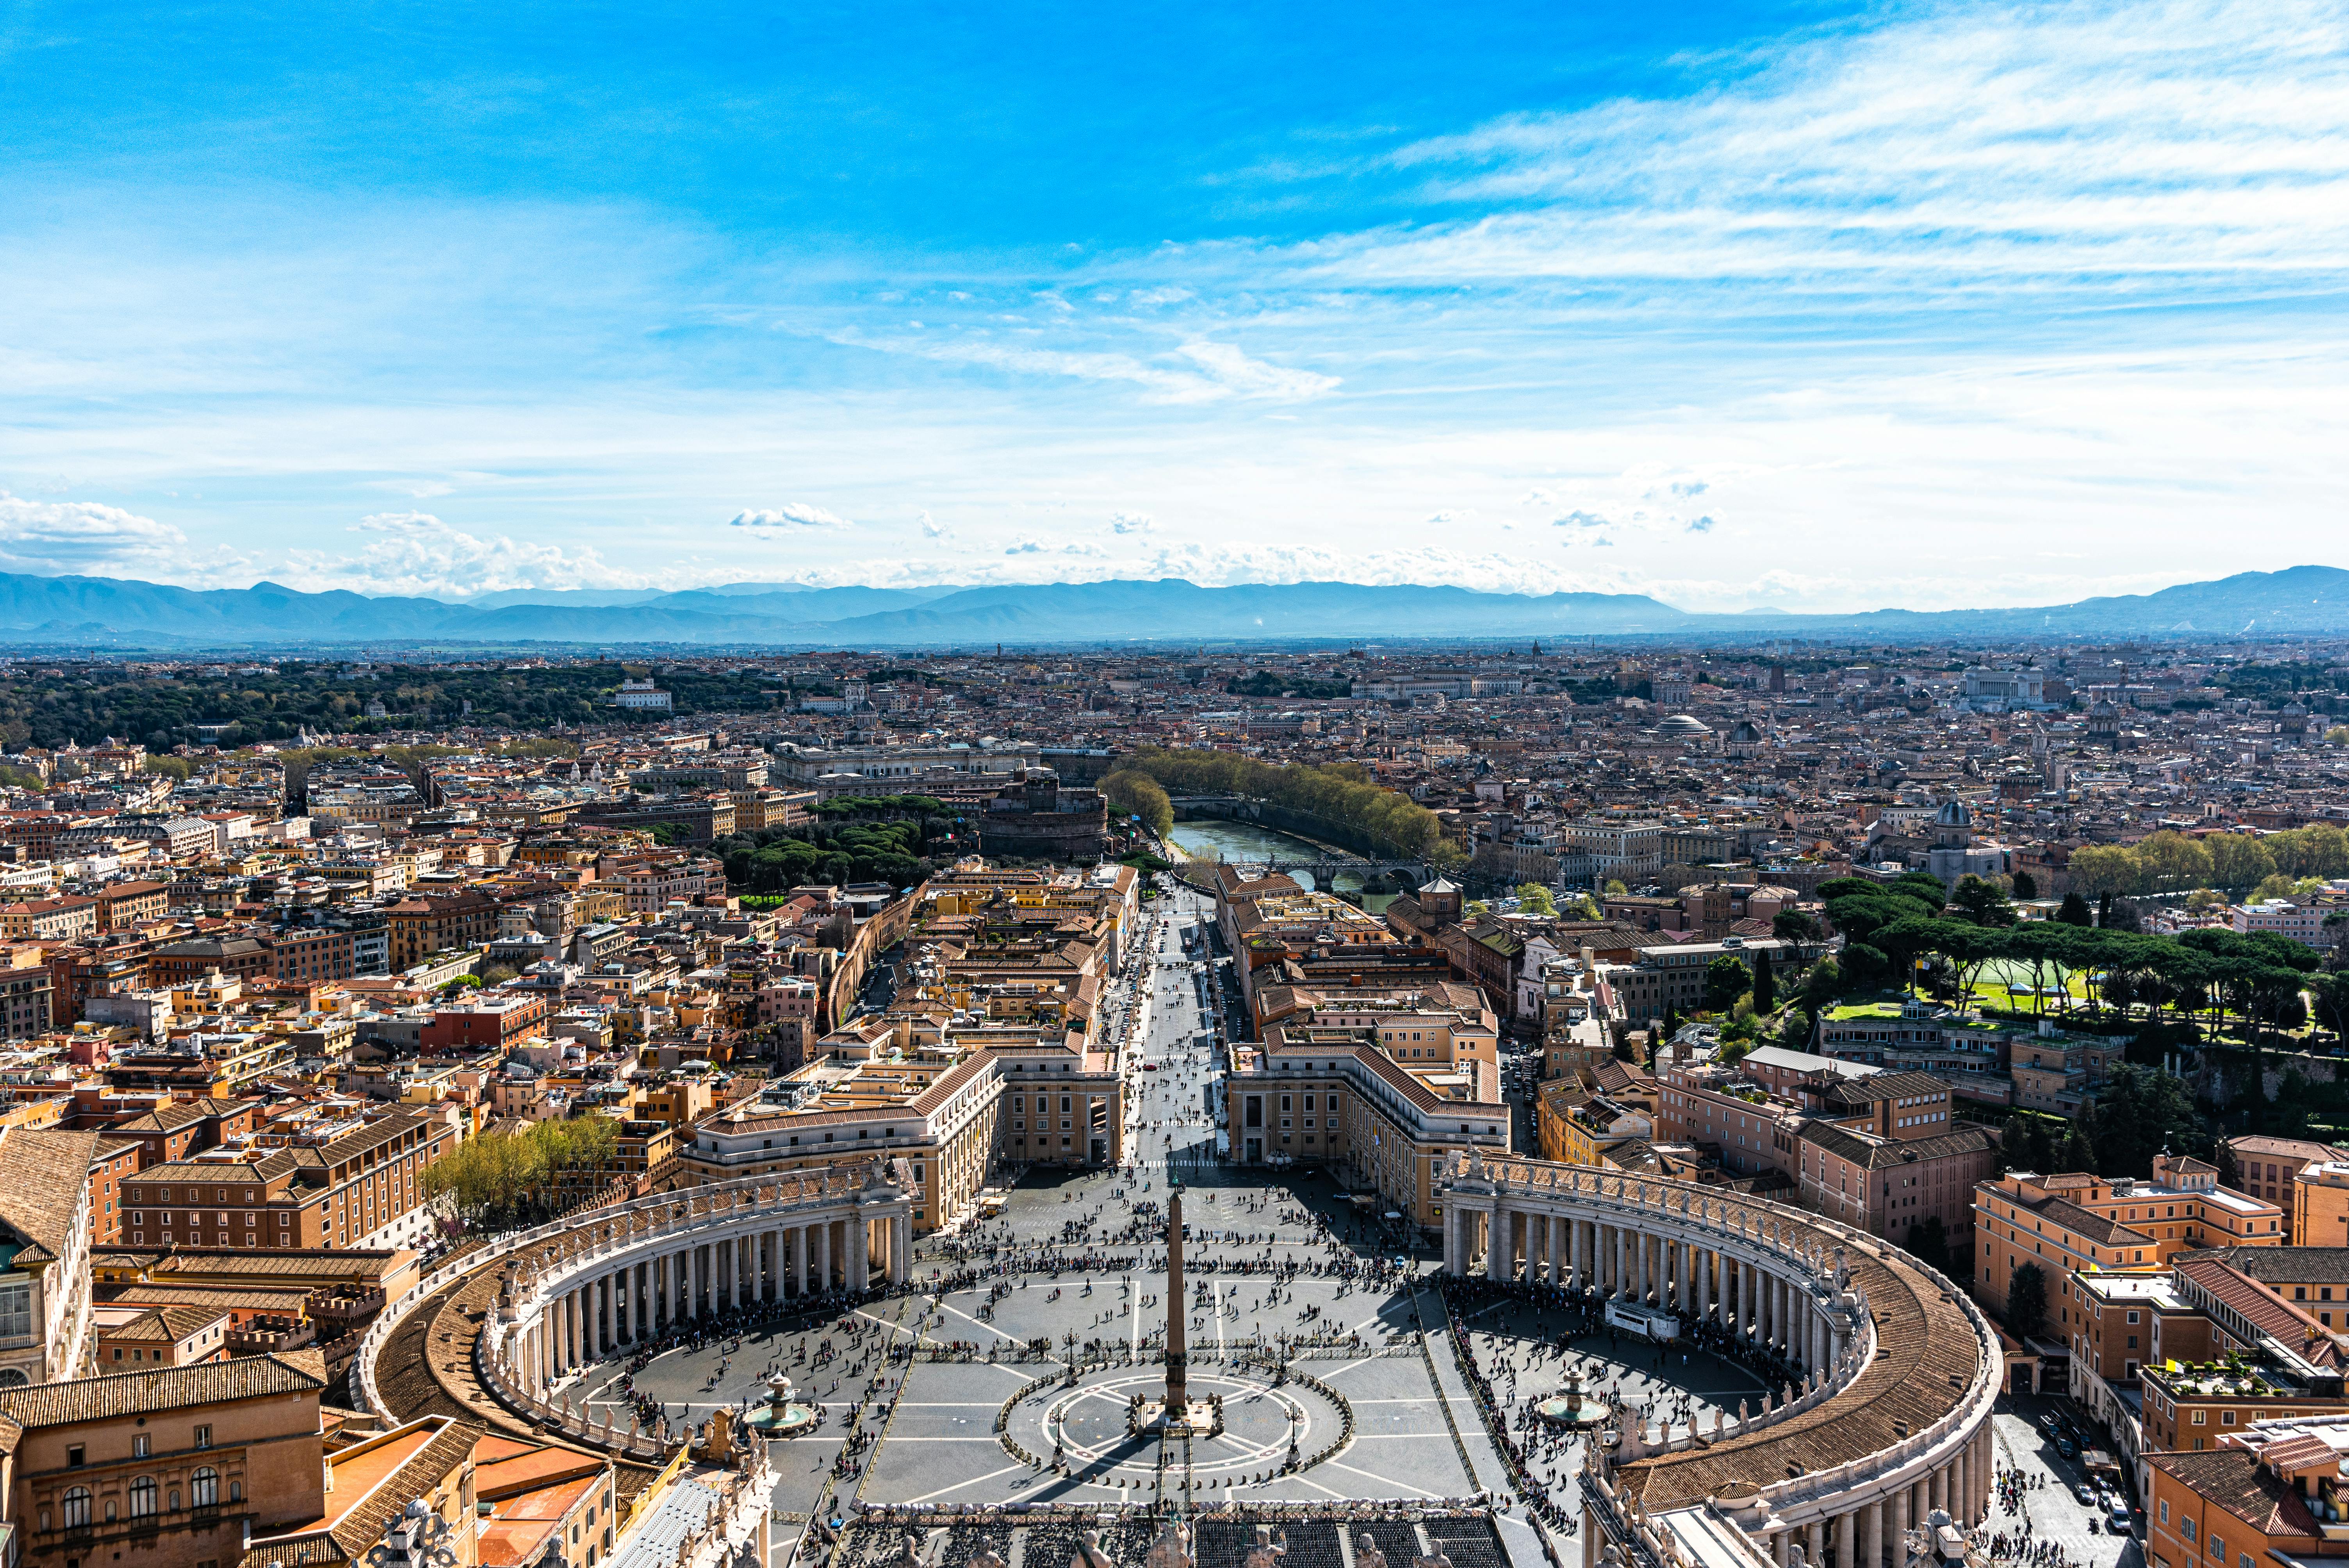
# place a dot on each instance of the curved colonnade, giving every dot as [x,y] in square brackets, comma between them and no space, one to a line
[578,1289]
[1890,1423]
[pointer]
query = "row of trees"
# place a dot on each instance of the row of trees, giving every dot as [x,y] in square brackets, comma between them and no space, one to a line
[1342,793]
[1891,930]
[2171,862]
[522,1178]
[1142,795]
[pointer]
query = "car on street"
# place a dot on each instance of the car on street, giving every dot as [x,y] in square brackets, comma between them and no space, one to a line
[2086,1493]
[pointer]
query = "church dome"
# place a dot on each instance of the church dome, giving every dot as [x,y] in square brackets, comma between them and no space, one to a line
[1954,813]
[1685,723]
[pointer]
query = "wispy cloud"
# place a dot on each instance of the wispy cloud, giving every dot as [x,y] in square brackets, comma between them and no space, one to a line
[781,521]
[1193,372]
[2147,147]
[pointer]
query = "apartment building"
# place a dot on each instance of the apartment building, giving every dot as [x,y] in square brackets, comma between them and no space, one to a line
[1616,851]
[46,1229]
[2320,1204]
[2267,1167]
[178,1466]
[2271,1495]
[360,1188]
[2079,1221]
[1674,977]
[1883,1153]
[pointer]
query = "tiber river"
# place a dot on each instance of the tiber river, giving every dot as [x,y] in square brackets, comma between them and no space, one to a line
[1210,838]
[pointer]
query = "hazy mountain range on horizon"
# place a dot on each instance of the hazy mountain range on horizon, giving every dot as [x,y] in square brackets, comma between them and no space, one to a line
[118,614]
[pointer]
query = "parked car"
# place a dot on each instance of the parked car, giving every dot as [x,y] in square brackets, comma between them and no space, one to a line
[2117,1518]
[2086,1495]
[2065,1446]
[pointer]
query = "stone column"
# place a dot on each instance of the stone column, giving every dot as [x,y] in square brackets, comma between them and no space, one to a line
[1941,1484]
[823,1256]
[1871,1535]
[1749,1319]
[901,1248]
[1779,1542]
[1558,1246]
[1496,1242]
[1897,1526]
[1847,1540]
[1705,1263]
[1816,1548]
[799,1259]
[860,1262]
[1616,1276]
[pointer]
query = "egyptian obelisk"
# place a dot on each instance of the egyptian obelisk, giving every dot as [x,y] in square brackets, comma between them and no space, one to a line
[1178,1398]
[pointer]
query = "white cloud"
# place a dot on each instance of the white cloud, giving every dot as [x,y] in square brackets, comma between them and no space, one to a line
[416,553]
[1131,522]
[2145,146]
[1238,375]
[793,517]
[933,529]
[1025,544]
[1197,372]
[76,537]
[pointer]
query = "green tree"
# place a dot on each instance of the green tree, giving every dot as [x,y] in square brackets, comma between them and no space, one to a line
[2173,863]
[1615,888]
[1532,898]
[2140,1112]
[1765,984]
[1140,795]
[2104,870]
[2027,886]
[2238,860]
[1795,928]
[2075,910]
[1982,902]
[1725,980]
[2027,1302]
[1823,984]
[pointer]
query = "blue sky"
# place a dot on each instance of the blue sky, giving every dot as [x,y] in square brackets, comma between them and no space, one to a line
[1816,306]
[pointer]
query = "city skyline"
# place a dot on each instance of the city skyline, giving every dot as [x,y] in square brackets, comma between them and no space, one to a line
[1713,306]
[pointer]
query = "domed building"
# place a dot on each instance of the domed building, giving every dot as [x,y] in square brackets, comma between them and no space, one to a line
[1952,851]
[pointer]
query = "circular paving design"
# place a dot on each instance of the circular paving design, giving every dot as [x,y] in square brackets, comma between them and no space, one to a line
[1088,1422]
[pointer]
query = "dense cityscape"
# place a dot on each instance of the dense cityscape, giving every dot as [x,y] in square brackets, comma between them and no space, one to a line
[1205,786]
[485,1082]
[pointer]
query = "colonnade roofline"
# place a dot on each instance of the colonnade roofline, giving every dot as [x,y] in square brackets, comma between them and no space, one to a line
[1903,1370]
[571,1244]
